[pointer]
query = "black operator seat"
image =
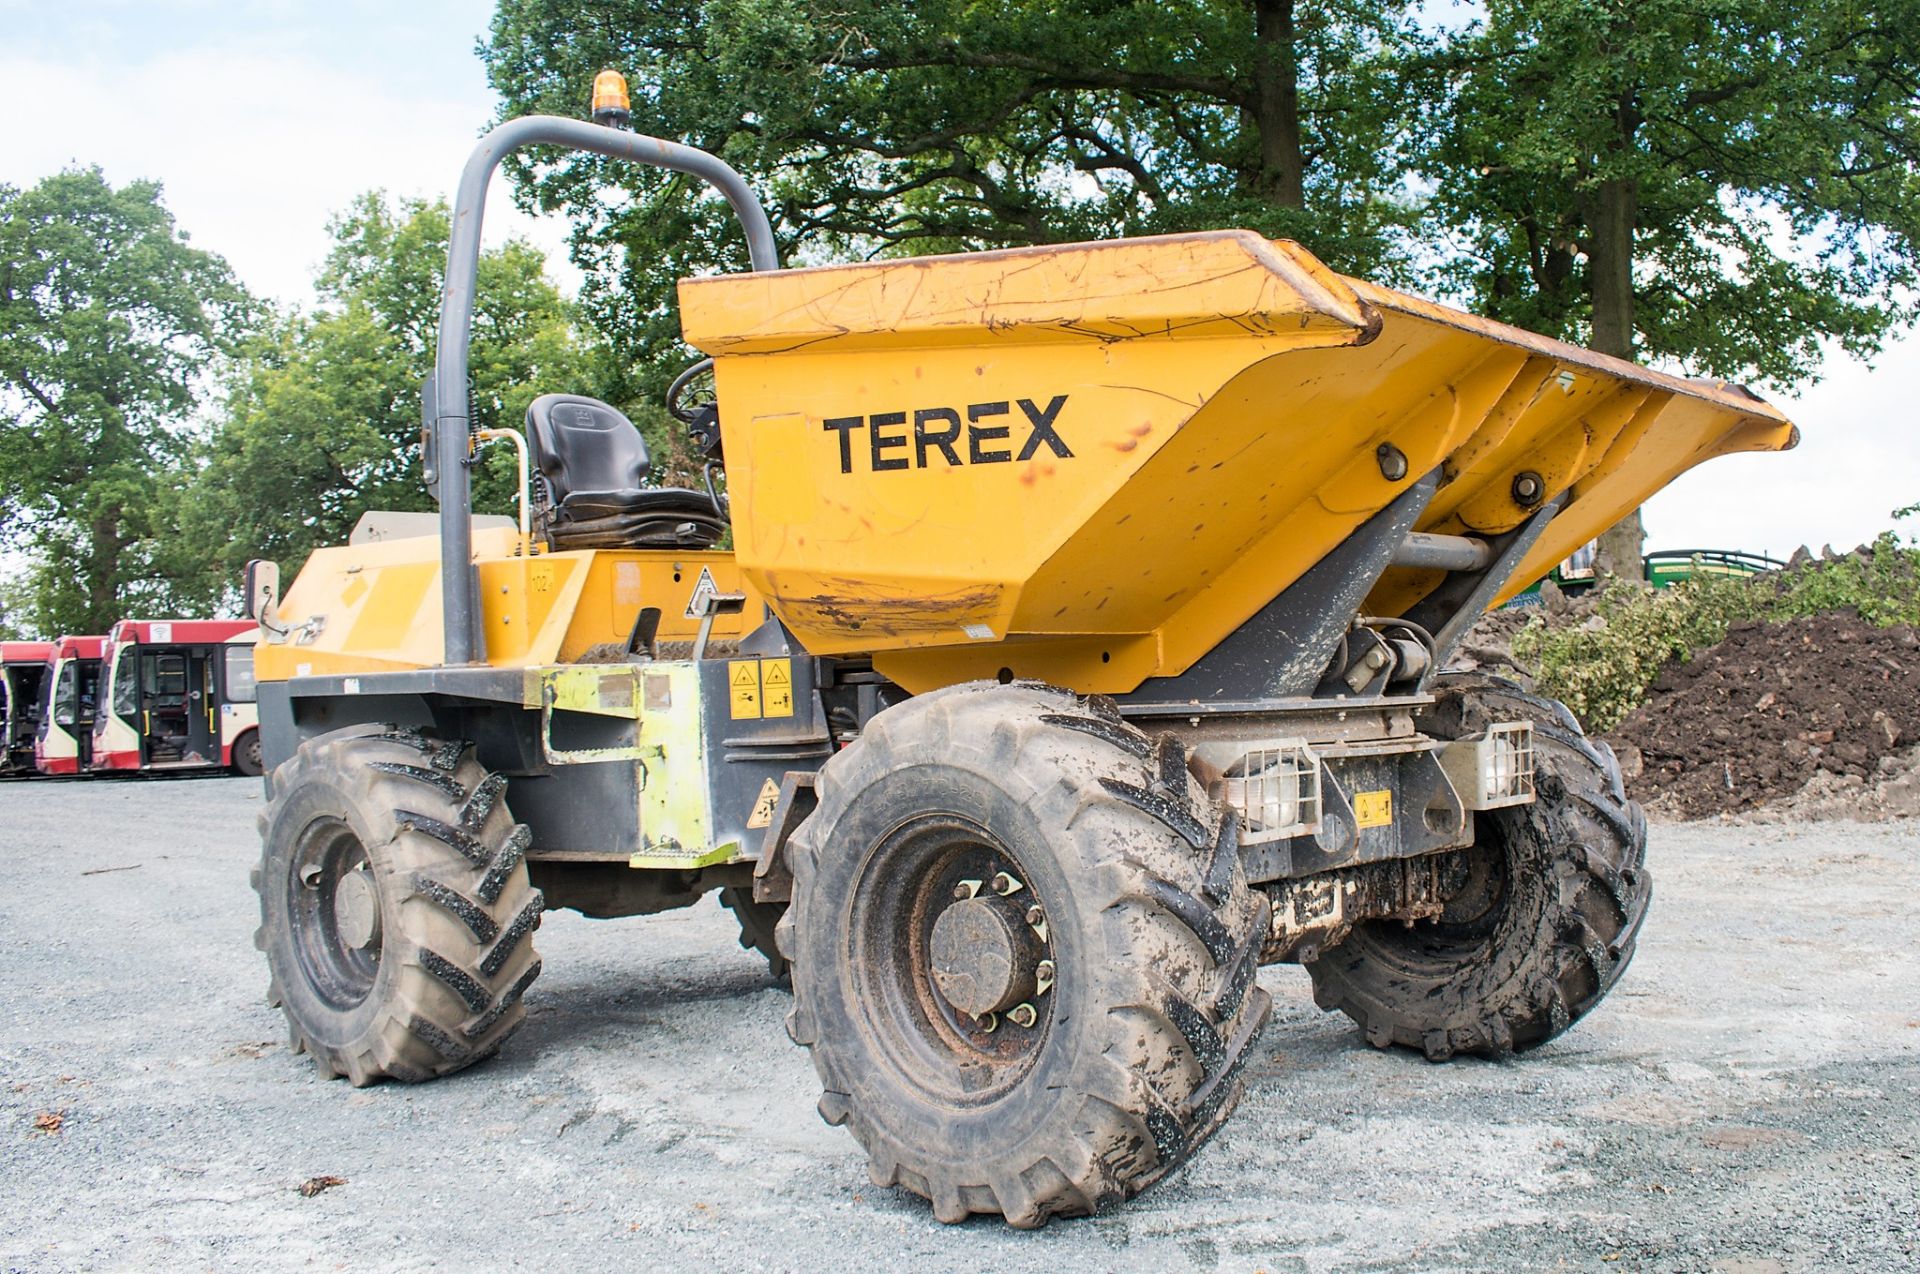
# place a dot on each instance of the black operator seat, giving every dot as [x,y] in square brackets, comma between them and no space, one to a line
[592,461]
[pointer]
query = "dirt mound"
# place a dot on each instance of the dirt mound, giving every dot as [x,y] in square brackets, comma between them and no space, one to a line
[1751,721]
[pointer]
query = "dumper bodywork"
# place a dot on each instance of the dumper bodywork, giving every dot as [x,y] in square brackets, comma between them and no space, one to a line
[1082,641]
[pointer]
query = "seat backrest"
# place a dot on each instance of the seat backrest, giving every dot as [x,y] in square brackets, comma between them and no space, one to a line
[582,444]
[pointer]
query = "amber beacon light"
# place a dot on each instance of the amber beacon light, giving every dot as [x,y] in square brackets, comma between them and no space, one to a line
[611,105]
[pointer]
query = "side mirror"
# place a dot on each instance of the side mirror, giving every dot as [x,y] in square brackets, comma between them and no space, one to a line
[262,588]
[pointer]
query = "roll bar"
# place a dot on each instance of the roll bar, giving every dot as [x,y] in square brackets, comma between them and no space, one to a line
[446,457]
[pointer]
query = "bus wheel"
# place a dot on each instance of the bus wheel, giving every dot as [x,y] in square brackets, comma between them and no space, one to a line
[247,759]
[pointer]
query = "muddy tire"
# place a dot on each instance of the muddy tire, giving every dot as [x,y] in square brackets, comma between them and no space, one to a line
[247,759]
[395,911]
[968,838]
[1546,922]
[758,920]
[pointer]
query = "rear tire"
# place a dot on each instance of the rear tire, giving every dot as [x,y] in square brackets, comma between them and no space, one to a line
[248,761]
[758,921]
[395,910]
[1547,921]
[1118,872]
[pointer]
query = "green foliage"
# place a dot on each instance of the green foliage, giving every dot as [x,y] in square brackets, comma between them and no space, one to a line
[321,420]
[872,127]
[1724,182]
[1602,665]
[109,324]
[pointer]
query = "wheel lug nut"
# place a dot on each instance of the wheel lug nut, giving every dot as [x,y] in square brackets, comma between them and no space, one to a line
[1006,885]
[1023,1015]
[1042,977]
[987,1022]
[966,889]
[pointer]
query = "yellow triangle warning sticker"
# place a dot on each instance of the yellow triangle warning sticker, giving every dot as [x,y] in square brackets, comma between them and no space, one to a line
[763,805]
[778,672]
[743,689]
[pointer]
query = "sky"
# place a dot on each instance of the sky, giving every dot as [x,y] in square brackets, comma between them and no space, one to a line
[264,118]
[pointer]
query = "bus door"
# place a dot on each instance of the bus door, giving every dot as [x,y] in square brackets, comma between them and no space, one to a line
[203,703]
[23,715]
[70,705]
[174,701]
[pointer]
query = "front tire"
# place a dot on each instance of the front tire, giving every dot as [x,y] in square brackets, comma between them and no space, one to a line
[1024,953]
[1548,917]
[395,910]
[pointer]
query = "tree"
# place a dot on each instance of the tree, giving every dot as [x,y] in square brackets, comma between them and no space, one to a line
[109,320]
[1728,184]
[322,415]
[873,127]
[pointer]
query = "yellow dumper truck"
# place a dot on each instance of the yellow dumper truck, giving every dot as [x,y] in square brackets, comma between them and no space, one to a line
[1082,646]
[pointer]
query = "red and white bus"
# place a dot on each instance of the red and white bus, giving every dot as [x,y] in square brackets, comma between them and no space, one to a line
[63,737]
[178,694]
[23,675]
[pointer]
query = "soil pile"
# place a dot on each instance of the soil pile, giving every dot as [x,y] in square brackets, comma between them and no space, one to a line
[1828,703]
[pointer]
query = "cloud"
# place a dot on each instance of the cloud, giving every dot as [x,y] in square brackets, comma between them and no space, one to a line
[1858,459]
[256,149]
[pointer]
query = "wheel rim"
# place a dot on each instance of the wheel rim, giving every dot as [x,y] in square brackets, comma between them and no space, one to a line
[953,958]
[250,755]
[334,913]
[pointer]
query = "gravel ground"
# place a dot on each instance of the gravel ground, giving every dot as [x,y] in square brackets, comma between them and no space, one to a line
[1748,1100]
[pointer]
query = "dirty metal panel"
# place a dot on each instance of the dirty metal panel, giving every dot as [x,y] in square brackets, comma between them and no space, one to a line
[752,746]
[676,828]
[1375,806]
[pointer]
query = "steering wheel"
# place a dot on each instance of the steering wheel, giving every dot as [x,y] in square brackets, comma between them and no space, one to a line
[701,415]
[687,407]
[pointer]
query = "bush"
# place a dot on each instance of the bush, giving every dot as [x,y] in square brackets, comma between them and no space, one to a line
[1602,665]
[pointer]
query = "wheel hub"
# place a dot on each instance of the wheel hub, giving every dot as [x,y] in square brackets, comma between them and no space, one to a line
[356,911]
[984,956]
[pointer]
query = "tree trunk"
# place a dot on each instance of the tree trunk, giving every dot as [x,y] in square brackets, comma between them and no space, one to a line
[1618,554]
[101,584]
[1276,100]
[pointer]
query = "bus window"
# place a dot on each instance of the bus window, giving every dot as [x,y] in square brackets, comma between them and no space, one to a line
[238,674]
[65,698]
[126,683]
[167,679]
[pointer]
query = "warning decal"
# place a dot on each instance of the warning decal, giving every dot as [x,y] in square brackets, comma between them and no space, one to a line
[1373,809]
[703,587]
[763,804]
[776,676]
[743,688]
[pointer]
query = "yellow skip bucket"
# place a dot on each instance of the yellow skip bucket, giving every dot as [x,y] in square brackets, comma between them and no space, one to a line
[1091,463]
